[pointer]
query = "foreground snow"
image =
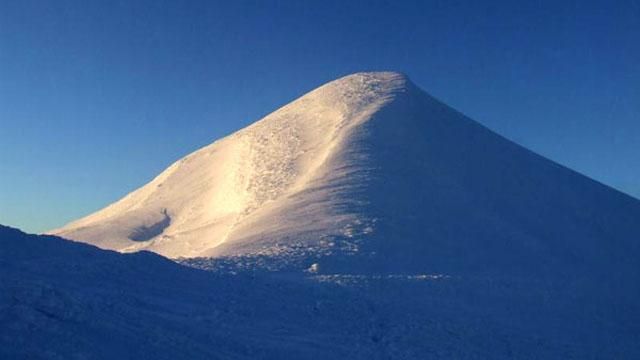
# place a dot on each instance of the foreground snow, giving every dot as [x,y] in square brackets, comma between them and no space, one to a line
[65,300]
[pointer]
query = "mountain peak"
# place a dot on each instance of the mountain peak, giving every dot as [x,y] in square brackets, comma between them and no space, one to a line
[368,85]
[368,170]
[375,76]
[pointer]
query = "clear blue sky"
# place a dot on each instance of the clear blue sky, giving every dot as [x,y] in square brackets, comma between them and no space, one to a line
[97,97]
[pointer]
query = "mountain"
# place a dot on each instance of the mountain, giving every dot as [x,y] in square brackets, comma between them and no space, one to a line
[365,220]
[369,173]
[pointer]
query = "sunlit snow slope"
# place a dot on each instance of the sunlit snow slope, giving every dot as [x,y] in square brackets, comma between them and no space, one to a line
[368,172]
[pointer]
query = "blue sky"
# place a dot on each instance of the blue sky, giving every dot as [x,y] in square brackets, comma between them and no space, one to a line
[98,97]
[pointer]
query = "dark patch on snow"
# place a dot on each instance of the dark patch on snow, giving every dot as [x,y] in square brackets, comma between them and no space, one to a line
[144,233]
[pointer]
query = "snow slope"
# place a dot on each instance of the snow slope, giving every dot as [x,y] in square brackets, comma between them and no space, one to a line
[234,188]
[370,174]
[66,300]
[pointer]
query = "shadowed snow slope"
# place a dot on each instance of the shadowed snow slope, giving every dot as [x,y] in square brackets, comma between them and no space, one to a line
[66,300]
[369,173]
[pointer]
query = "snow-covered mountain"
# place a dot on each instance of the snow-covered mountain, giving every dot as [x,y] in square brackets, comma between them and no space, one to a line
[368,172]
[365,220]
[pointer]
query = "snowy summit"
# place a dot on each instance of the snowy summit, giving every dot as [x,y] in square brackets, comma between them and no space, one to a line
[370,172]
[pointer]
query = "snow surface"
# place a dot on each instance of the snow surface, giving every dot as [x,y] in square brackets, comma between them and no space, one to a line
[236,188]
[67,300]
[365,220]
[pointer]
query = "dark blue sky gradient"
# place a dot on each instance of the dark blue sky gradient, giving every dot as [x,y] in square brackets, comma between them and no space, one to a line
[97,97]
